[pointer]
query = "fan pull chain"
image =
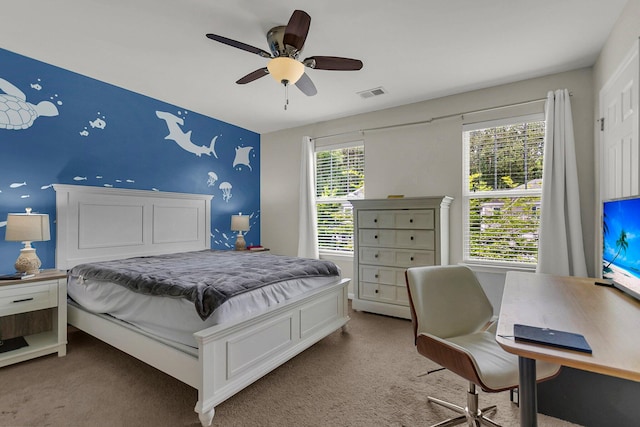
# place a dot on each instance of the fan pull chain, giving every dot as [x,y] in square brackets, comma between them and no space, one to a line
[286,95]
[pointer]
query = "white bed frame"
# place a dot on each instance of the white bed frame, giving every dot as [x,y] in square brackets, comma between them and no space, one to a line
[99,224]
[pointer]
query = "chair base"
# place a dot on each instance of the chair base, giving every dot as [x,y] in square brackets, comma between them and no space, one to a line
[470,415]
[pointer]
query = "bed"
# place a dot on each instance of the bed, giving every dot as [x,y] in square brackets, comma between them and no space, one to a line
[96,225]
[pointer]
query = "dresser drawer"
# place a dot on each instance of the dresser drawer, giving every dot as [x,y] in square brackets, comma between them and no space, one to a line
[417,219]
[28,297]
[384,293]
[376,219]
[421,239]
[396,257]
[383,275]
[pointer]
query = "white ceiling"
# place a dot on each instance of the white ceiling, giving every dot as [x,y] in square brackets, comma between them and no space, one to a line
[415,49]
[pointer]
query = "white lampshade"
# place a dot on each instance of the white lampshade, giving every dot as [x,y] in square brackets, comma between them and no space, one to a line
[284,69]
[239,222]
[27,227]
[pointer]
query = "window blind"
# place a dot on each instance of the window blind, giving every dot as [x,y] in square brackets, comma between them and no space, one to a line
[339,177]
[503,188]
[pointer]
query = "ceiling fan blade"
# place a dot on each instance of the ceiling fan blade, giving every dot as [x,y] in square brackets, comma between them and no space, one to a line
[305,84]
[332,63]
[239,45]
[254,75]
[297,29]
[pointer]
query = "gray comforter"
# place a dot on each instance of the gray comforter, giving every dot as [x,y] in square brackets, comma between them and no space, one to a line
[207,278]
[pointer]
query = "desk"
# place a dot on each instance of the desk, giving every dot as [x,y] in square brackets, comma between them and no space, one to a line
[608,318]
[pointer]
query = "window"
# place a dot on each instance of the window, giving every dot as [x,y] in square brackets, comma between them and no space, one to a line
[502,190]
[339,177]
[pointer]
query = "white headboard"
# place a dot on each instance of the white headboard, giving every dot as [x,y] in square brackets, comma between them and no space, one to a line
[101,224]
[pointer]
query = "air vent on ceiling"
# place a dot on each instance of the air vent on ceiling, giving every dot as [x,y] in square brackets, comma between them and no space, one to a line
[372,92]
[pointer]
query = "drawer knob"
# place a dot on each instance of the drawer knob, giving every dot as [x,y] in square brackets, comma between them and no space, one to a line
[376,291]
[375,256]
[411,220]
[376,276]
[411,258]
[24,300]
[375,220]
[411,237]
[375,237]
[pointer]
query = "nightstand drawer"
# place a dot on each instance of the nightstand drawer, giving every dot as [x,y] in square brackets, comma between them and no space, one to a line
[23,297]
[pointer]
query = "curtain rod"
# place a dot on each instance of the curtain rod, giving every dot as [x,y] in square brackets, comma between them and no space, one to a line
[447,116]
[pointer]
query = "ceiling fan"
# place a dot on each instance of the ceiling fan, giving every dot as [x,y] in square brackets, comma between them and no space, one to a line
[286,43]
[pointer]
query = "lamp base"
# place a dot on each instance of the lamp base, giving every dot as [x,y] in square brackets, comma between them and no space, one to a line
[28,262]
[241,245]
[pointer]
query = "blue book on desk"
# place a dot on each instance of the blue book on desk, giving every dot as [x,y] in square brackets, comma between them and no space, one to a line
[551,337]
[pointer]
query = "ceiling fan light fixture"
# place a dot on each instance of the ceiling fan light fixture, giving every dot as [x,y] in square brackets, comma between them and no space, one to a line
[285,70]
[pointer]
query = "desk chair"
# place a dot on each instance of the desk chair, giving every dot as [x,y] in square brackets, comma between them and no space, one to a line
[452,326]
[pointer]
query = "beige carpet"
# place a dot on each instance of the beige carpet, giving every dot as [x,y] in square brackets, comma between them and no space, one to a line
[366,377]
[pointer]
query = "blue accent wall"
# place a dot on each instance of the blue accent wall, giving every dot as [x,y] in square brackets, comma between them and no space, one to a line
[57,126]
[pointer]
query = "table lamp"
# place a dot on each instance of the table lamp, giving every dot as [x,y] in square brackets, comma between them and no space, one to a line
[27,228]
[240,223]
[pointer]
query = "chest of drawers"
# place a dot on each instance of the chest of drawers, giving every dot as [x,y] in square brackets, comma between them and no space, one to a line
[389,236]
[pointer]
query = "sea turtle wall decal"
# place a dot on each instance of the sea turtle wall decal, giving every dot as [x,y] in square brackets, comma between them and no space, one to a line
[16,113]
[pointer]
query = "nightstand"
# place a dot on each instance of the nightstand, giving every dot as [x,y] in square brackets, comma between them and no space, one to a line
[259,250]
[37,309]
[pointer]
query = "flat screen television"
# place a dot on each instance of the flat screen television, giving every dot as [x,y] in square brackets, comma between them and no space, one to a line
[621,244]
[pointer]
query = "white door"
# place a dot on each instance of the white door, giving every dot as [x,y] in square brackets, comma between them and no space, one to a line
[619,150]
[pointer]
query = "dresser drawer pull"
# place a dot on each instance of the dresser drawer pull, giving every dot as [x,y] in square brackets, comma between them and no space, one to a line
[376,291]
[375,256]
[375,237]
[376,276]
[24,300]
[411,220]
[375,220]
[411,237]
[411,258]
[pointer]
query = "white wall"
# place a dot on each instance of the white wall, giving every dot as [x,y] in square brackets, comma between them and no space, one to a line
[622,38]
[420,160]
[624,34]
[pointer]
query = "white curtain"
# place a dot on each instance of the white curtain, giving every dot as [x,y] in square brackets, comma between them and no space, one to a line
[561,249]
[307,229]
